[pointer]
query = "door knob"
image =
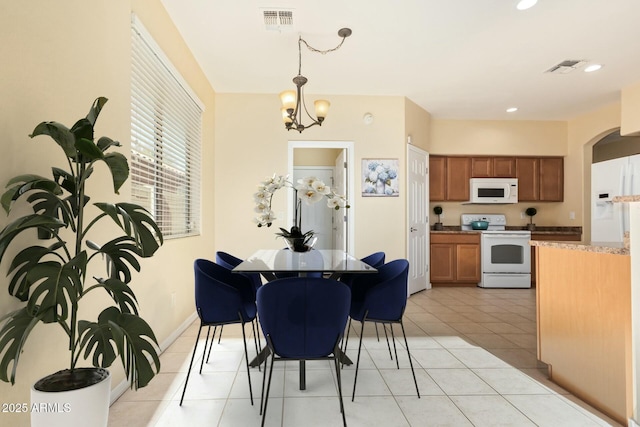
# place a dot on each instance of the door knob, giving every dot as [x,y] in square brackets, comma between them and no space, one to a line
[413,229]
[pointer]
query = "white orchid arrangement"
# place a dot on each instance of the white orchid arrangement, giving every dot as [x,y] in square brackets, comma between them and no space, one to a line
[309,189]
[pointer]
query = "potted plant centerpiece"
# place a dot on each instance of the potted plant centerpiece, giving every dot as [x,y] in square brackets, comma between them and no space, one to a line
[531,212]
[51,276]
[311,190]
[438,211]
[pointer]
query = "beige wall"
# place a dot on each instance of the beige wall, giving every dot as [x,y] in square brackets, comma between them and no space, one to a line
[417,125]
[246,154]
[58,57]
[491,137]
[630,100]
[315,156]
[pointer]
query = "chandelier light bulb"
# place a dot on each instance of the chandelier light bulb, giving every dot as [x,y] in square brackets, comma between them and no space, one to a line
[526,4]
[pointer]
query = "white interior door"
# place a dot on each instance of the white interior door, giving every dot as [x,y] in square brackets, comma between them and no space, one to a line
[418,219]
[317,217]
[339,216]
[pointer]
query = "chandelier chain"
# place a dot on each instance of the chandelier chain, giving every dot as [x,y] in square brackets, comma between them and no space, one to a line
[313,49]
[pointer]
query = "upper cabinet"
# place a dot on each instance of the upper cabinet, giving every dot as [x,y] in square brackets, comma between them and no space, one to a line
[540,179]
[449,178]
[493,167]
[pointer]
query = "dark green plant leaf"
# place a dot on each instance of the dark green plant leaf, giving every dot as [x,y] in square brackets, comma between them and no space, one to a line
[56,286]
[122,294]
[95,109]
[24,262]
[120,250]
[137,223]
[33,221]
[60,134]
[15,329]
[82,129]
[24,183]
[134,341]
[104,142]
[48,204]
[64,179]
[89,149]
[119,168]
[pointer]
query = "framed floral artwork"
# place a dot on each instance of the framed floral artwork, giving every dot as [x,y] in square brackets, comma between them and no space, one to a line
[380,177]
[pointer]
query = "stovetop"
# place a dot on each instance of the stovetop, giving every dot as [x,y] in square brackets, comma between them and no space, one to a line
[497,223]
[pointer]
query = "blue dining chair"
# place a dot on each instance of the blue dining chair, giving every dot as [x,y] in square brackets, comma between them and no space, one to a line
[229,261]
[384,299]
[303,318]
[221,300]
[375,260]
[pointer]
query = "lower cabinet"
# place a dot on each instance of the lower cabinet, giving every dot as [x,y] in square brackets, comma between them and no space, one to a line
[549,237]
[455,259]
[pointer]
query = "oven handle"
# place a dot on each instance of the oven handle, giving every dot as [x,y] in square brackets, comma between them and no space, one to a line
[507,235]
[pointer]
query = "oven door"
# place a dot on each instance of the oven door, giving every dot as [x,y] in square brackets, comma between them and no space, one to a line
[506,252]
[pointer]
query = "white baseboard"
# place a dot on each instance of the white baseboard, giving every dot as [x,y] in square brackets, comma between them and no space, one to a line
[633,423]
[123,386]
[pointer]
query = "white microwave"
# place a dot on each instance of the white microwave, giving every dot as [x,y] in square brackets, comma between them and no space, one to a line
[493,190]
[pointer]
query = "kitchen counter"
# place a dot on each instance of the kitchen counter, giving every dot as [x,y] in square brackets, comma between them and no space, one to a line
[569,231]
[613,248]
[584,322]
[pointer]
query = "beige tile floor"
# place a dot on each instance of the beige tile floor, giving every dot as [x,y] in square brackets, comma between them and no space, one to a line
[474,351]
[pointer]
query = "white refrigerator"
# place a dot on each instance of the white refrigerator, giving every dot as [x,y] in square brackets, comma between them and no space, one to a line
[616,177]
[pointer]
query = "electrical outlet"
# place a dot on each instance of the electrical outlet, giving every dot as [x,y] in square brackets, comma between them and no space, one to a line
[173,299]
[522,215]
[572,215]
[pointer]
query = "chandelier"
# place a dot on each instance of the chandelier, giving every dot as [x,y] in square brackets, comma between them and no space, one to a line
[292,100]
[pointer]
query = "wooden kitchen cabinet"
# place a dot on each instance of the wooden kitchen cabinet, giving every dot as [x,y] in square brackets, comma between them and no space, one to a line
[528,180]
[481,167]
[455,259]
[549,237]
[551,188]
[437,178]
[493,167]
[458,175]
[504,167]
[540,179]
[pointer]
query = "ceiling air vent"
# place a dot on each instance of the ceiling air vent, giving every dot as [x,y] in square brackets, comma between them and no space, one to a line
[566,66]
[278,19]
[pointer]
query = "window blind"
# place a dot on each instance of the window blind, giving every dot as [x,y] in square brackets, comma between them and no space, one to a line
[166,122]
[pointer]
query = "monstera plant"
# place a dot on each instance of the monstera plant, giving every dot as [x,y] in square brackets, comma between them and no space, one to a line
[52,275]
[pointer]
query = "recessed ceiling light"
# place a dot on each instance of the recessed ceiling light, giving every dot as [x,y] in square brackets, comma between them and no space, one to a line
[512,109]
[591,68]
[526,4]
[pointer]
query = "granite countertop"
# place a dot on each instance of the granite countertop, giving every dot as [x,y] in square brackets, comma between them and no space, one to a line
[538,230]
[621,199]
[613,248]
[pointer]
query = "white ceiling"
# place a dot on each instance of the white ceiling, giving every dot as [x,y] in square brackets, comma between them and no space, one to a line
[458,59]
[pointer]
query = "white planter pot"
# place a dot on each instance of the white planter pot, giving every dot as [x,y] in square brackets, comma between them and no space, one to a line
[87,406]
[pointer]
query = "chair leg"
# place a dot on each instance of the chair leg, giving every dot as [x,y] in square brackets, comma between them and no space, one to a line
[387,338]
[346,341]
[191,364]
[246,358]
[205,347]
[266,397]
[355,378]
[395,351]
[220,336]
[264,382]
[377,334]
[215,328]
[409,354]
[339,380]
[255,337]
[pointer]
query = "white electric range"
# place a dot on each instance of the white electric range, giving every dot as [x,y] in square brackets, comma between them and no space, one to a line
[505,254]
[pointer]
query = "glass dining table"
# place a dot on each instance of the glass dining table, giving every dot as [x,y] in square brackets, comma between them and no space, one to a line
[334,263]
